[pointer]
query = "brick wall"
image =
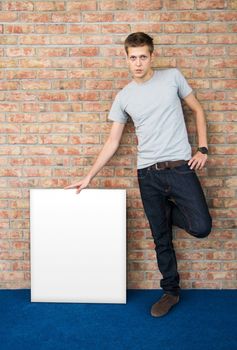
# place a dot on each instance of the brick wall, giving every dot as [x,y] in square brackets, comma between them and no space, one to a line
[62,63]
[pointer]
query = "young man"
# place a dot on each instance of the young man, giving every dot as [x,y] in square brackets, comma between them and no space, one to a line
[170,190]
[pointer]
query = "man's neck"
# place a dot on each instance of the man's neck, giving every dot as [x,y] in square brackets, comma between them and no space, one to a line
[148,76]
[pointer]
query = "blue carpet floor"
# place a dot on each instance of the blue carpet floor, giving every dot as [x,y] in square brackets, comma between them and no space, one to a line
[204,319]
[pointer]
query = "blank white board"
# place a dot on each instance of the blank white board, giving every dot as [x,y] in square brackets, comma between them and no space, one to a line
[78,245]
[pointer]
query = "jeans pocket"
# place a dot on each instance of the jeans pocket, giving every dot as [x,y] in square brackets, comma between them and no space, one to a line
[142,173]
[183,169]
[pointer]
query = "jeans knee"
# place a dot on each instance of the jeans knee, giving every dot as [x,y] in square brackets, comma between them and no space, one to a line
[203,230]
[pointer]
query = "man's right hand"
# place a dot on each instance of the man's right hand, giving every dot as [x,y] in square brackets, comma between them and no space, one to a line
[80,185]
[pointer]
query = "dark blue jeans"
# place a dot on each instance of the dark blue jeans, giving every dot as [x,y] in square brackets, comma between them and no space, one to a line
[172,197]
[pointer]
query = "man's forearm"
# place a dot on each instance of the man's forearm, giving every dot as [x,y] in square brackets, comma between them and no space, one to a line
[201,128]
[104,156]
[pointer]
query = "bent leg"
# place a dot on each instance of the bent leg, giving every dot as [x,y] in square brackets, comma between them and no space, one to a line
[190,211]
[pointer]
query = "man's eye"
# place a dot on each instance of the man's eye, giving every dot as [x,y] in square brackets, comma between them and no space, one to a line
[143,57]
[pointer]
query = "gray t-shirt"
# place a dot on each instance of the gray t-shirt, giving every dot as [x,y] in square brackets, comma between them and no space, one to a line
[157,114]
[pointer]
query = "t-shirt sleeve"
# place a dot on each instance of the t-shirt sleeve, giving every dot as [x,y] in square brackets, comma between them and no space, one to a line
[116,112]
[184,89]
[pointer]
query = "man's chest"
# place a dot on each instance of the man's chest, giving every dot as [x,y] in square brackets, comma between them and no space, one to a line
[141,104]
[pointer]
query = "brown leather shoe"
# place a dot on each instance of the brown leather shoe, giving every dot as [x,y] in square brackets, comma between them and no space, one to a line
[162,306]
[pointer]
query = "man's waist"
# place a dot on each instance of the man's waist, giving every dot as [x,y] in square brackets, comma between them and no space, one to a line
[168,164]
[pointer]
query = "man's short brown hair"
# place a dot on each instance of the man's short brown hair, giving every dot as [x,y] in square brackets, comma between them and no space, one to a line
[139,39]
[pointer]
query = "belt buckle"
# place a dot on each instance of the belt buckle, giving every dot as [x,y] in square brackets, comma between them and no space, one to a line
[156,167]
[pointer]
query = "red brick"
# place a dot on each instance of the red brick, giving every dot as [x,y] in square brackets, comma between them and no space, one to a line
[115,28]
[225,16]
[35,17]
[14,52]
[209,51]
[232,51]
[18,6]
[99,17]
[52,74]
[6,63]
[96,62]
[18,28]
[14,85]
[84,96]
[221,275]
[147,5]
[67,17]
[11,276]
[84,28]
[127,16]
[37,150]
[21,266]
[223,39]
[211,28]
[84,51]
[49,6]
[113,4]
[150,27]
[51,96]
[193,39]
[97,40]
[226,255]
[194,15]
[162,16]
[22,139]
[47,52]
[8,16]
[34,40]
[223,106]
[8,40]
[36,85]
[179,5]
[84,5]
[179,28]
[22,74]
[51,28]
[221,84]
[9,107]
[84,139]
[210,4]
[221,63]
[192,62]
[68,62]
[173,51]
[37,172]
[207,285]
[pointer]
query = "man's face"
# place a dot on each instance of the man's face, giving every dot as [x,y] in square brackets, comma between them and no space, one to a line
[139,62]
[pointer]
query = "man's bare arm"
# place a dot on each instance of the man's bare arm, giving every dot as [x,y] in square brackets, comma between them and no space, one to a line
[110,147]
[198,160]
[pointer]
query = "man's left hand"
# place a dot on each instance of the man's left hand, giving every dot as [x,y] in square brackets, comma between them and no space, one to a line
[197,161]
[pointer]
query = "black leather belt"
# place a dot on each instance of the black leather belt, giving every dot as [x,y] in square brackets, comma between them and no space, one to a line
[167,164]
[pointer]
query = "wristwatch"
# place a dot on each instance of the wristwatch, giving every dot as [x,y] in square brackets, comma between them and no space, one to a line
[203,150]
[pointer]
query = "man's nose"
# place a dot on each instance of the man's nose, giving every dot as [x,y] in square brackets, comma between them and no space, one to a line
[138,61]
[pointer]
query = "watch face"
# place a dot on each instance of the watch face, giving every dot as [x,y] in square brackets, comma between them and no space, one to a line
[203,150]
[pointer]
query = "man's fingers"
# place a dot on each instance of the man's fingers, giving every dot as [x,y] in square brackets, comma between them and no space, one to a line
[190,161]
[67,187]
[80,189]
[193,164]
[71,186]
[200,164]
